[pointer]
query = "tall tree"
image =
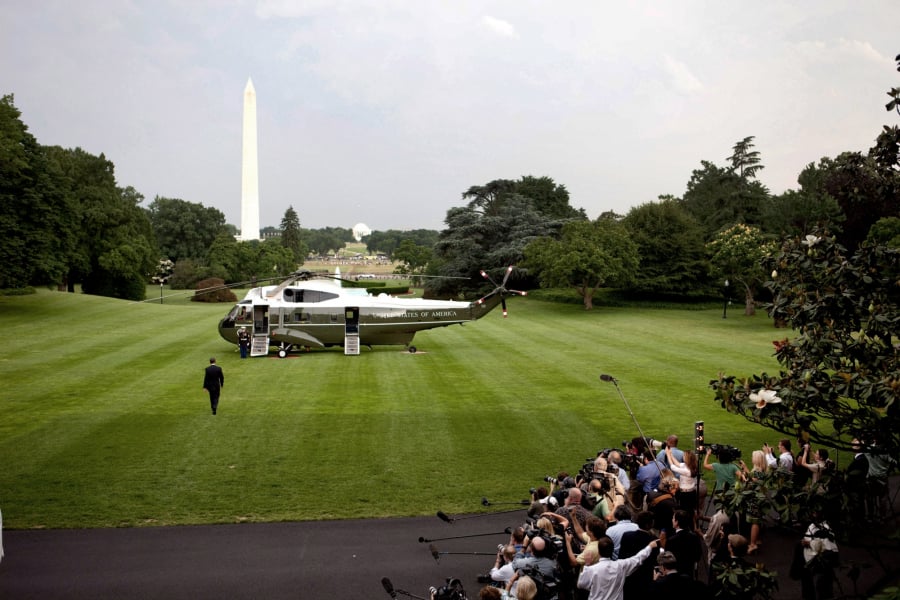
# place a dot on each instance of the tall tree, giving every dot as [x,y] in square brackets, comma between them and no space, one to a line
[487,199]
[708,196]
[745,161]
[414,258]
[261,260]
[864,190]
[547,197]
[388,241]
[115,252]
[222,258]
[670,246]
[474,241]
[184,229]
[323,241]
[588,255]
[796,212]
[736,255]
[291,235]
[36,210]
[719,197]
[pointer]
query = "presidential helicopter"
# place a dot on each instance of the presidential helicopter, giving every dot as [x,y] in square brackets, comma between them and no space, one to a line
[310,310]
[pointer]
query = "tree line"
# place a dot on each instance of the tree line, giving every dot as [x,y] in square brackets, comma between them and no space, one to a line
[66,221]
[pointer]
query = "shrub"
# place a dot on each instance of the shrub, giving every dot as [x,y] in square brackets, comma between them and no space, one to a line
[213,290]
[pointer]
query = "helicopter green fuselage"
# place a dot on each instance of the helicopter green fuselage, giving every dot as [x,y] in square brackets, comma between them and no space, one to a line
[322,314]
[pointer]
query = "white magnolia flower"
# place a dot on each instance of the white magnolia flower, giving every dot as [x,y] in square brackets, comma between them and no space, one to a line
[811,240]
[764,397]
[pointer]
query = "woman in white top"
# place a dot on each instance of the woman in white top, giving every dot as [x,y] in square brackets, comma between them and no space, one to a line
[688,494]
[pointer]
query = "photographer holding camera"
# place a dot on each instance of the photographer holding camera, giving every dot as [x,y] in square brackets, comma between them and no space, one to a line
[502,570]
[572,509]
[726,471]
[559,488]
[785,460]
[650,474]
[540,560]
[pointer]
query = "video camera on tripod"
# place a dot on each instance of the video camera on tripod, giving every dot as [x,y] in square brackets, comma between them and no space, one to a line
[452,590]
[724,452]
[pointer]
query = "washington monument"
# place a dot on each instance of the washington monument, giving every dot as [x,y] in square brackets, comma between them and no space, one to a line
[249,169]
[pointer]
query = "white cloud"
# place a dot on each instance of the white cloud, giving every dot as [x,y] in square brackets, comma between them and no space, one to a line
[499,26]
[680,76]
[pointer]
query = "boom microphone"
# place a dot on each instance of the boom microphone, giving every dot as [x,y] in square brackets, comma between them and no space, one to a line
[615,382]
[506,531]
[486,502]
[443,517]
[437,555]
[388,587]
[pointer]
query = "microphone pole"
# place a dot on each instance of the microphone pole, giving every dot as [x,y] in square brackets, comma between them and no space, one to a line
[506,531]
[486,502]
[647,446]
[436,555]
[448,519]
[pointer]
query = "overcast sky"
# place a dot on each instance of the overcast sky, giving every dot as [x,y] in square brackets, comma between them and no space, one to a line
[385,111]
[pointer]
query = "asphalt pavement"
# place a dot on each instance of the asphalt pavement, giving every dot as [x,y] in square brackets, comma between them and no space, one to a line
[308,560]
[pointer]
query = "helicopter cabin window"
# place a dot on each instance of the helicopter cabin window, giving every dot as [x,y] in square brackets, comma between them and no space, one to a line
[301,317]
[318,296]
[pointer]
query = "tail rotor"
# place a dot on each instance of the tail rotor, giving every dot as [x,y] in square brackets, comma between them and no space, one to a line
[501,289]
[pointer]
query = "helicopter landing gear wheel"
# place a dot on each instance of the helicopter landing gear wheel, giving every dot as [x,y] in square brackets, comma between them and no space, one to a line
[283,351]
[412,349]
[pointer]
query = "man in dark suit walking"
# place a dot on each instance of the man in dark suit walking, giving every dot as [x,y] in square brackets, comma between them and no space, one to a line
[213,382]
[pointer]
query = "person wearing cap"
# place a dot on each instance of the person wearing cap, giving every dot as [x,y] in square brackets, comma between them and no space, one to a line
[244,341]
[213,382]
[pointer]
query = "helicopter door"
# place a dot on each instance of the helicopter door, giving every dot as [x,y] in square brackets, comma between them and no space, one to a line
[259,344]
[351,330]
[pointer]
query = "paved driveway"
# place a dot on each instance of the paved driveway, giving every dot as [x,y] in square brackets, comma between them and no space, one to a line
[323,559]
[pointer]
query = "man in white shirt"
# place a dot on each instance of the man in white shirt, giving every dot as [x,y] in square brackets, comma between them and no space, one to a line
[502,570]
[785,460]
[605,579]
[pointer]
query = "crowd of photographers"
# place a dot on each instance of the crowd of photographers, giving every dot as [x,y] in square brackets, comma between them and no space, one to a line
[630,524]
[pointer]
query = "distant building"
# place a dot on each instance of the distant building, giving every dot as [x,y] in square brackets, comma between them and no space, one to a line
[360,230]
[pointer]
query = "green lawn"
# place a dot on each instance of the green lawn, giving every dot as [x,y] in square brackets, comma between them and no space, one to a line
[103,421]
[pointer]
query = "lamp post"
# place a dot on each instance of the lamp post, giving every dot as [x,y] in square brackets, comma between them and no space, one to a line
[160,291]
[725,302]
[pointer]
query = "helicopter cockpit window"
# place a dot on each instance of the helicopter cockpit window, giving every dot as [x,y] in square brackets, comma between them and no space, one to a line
[241,312]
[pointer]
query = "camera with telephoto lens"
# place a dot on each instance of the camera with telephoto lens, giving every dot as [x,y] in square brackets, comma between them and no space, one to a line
[549,479]
[553,545]
[724,452]
[453,590]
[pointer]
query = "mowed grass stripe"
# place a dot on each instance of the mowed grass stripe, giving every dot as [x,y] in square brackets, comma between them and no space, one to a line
[108,424]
